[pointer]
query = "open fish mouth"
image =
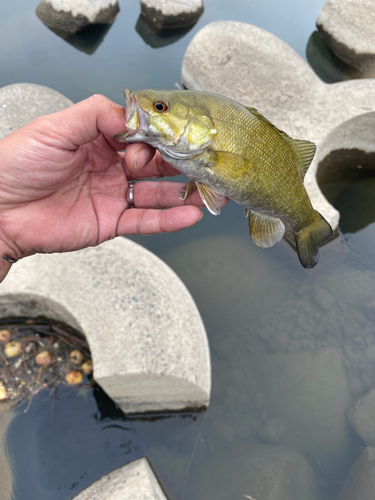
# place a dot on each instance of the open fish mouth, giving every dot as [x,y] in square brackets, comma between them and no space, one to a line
[137,120]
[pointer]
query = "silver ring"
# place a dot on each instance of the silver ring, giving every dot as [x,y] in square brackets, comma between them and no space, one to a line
[131,194]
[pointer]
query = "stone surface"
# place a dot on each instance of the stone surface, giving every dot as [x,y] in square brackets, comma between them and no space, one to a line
[22,102]
[256,68]
[360,482]
[347,27]
[72,15]
[147,340]
[306,398]
[167,14]
[135,481]
[257,472]
[362,418]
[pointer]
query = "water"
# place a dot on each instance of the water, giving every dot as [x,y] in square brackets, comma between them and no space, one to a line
[291,349]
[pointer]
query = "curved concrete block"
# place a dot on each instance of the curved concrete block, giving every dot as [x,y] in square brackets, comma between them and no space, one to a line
[71,16]
[135,481]
[257,69]
[22,102]
[347,27]
[147,339]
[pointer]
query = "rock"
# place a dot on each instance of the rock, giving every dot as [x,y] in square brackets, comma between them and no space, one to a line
[147,340]
[134,481]
[360,482]
[362,418]
[22,102]
[166,14]
[347,27]
[257,472]
[72,15]
[256,68]
[306,400]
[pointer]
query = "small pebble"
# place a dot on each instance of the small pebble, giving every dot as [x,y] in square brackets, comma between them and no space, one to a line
[76,356]
[87,367]
[13,349]
[44,358]
[4,335]
[74,377]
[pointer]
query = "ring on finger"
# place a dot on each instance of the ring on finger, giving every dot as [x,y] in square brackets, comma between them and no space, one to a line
[131,194]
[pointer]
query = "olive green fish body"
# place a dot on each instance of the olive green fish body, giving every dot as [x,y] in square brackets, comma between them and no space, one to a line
[228,150]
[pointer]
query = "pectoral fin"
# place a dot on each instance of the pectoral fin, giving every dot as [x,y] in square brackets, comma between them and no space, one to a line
[187,190]
[265,231]
[213,201]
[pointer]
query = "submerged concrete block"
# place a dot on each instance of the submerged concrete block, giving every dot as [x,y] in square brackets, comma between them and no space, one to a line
[70,16]
[22,102]
[147,339]
[360,482]
[257,69]
[347,27]
[134,481]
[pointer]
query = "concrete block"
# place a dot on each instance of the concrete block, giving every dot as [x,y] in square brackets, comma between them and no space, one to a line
[147,339]
[70,16]
[167,14]
[135,481]
[22,102]
[257,472]
[347,27]
[360,482]
[257,69]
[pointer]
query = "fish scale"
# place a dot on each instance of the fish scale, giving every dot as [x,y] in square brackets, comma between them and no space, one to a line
[229,150]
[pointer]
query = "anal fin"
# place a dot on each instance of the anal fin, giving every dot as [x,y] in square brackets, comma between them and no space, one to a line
[213,200]
[265,231]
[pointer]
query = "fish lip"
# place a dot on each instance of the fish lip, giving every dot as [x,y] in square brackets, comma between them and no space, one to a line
[133,107]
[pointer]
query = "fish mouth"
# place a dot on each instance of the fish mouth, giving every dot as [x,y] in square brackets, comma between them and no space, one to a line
[137,120]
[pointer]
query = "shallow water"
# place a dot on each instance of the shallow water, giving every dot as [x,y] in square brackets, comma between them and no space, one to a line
[291,348]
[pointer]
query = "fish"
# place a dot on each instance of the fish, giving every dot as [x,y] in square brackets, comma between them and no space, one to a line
[228,150]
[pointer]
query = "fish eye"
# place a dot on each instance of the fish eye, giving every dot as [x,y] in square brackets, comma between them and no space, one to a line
[160,106]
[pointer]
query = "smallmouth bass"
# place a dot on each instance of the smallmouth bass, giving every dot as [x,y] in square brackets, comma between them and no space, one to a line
[229,150]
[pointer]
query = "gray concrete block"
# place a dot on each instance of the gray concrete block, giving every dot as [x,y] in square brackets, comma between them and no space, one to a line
[347,27]
[70,16]
[135,481]
[257,472]
[360,482]
[22,102]
[167,14]
[147,339]
[362,418]
[257,69]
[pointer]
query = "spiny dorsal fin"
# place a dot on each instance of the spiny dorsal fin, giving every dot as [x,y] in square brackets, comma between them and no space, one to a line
[304,150]
[265,231]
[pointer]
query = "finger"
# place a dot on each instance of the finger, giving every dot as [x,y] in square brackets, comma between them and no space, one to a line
[157,167]
[86,121]
[163,195]
[143,221]
[138,155]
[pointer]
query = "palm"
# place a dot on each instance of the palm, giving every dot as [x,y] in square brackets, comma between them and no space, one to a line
[61,192]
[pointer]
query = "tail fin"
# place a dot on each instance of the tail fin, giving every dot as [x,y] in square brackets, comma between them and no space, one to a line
[309,239]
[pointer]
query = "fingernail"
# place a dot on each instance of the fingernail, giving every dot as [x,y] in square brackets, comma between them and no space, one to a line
[200,218]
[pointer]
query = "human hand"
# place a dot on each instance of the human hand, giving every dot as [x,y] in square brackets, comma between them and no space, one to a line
[64,184]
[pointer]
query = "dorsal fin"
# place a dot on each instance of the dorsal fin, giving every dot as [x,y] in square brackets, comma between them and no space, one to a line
[304,150]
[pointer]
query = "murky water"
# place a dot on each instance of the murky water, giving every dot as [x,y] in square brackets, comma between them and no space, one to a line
[292,349]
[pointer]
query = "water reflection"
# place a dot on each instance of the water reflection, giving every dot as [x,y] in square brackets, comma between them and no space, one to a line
[86,40]
[156,37]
